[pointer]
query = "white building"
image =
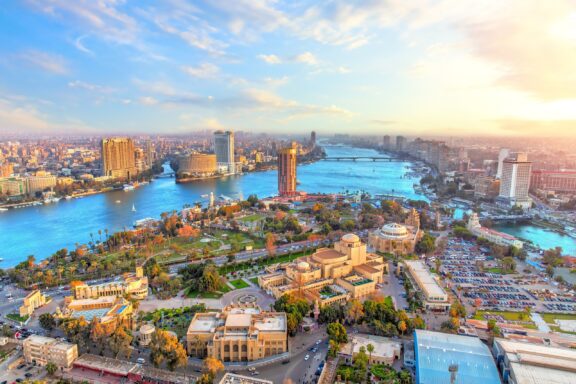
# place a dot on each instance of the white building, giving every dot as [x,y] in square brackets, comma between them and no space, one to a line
[386,351]
[496,237]
[224,149]
[504,153]
[434,297]
[526,363]
[515,181]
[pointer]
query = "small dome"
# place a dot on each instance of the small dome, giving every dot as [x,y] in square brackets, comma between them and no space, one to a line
[350,238]
[147,329]
[394,229]
[303,266]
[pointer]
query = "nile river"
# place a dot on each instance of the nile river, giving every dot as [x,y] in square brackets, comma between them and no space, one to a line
[42,230]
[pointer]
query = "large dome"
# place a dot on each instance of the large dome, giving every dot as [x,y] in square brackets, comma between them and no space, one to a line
[350,238]
[394,230]
[303,266]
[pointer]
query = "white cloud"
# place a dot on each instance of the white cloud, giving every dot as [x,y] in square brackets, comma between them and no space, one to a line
[78,43]
[148,100]
[306,58]
[89,86]
[46,61]
[270,59]
[203,71]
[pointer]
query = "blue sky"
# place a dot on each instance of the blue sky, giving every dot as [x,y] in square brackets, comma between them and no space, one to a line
[411,67]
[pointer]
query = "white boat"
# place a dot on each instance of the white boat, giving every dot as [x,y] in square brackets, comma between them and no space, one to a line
[1,259]
[68,197]
[128,187]
[133,208]
[3,209]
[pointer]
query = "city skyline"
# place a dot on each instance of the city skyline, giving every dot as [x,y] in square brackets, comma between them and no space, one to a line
[439,68]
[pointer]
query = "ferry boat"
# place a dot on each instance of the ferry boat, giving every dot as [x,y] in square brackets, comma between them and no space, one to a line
[51,200]
[3,209]
[128,187]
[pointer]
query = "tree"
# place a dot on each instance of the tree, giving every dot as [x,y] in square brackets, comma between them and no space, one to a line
[334,348]
[213,365]
[164,347]
[402,327]
[355,311]
[426,244]
[47,321]
[337,332]
[120,341]
[271,244]
[51,368]
[370,349]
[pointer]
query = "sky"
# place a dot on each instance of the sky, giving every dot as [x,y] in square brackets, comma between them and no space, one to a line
[415,67]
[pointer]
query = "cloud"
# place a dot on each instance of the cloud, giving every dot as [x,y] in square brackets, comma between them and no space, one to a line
[148,100]
[80,45]
[306,58]
[27,118]
[276,82]
[89,87]
[46,61]
[546,128]
[203,71]
[383,122]
[270,59]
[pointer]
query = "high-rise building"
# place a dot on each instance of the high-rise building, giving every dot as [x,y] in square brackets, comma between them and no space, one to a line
[515,181]
[287,171]
[557,181]
[386,142]
[313,139]
[118,158]
[40,181]
[224,149]
[400,143]
[6,170]
[150,153]
[504,153]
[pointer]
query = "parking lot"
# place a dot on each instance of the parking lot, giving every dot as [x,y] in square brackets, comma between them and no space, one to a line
[22,372]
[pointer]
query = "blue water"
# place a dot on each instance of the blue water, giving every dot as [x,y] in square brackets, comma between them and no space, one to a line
[42,230]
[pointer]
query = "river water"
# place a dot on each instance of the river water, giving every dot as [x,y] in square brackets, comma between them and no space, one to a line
[42,230]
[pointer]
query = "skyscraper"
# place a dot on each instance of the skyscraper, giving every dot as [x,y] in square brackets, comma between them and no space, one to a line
[224,149]
[504,153]
[515,181]
[386,142]
[118,158]
[287,171]
[400,143]
[313,139]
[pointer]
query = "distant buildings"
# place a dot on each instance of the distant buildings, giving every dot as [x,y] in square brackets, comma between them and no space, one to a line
[433,296]
[6,170]
[526,363]
[32,301]
[496,237]
[42,350]
[396,238]
[436,353]
[40,182]
[313,139]
[515,181]
[287,171]
[238,333]
[386,351]
[553,181]
[118,158]
[13,186]
[224,149]
[197,165]
[132,284]
[400,143]
[329,275]
[486,187]
[386,143]
[503,155]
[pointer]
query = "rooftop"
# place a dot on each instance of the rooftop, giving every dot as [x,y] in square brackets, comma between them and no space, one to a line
[435,352]
[232,378]
[383,346]
[424,278]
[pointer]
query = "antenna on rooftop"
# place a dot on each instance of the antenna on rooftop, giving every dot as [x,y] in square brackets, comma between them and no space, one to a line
[453,369]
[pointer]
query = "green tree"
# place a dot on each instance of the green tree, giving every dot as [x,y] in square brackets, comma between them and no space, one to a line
[47,321]
[370,349]
[164,347]
[337,332]
[427,244]
[51,368]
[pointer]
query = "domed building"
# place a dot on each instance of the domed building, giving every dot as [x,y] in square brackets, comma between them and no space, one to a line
[329,275]
[395,238]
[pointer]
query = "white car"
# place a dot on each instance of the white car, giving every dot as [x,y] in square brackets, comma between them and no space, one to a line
[306,357]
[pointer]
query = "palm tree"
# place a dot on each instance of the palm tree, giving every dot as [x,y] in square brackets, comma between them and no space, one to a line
[370,349]
[51,368]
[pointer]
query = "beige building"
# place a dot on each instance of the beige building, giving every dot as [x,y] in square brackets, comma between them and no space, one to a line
[13,186]
[197,165]
[329,275]
[287,170]
[386,351]
[133,284]
[40,182]
[32,301]
[43,350]
[233,378]
[489,234]
[238,333]
[118,158]
[109,311]
[396,238]
[433,296]
[146,332]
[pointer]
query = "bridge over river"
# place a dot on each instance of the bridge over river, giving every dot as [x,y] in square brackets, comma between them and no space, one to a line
[366,158]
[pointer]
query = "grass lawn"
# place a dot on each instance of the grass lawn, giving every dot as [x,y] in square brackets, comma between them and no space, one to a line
[251,218]
[496,270]
[550,317]
[388,300]
[239,284]
[556,328]
[278,259]
[254,280]
[17,317]
[208,295]
[507,315]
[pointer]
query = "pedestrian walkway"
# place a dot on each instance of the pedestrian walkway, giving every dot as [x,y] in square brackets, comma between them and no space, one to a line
[540,323]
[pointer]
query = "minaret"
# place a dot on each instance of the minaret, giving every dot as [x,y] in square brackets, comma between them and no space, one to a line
[211,204]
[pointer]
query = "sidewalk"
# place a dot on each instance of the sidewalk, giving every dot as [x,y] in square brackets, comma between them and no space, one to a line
[540,323]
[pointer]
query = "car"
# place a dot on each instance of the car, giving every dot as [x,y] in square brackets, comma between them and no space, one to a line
[306,357]
[314,350]
[255,373]
[140,360]
[4,382]
[318,342]
[28,374]
[19,380]
[21,366]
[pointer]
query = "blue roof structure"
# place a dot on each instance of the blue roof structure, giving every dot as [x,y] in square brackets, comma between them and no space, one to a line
[434,352]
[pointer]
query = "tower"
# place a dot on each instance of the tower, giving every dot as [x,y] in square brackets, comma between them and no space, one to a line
[515,181]
[224,149]
[287,171]
[118,158]
[413,219]
[504,153]
[313,139]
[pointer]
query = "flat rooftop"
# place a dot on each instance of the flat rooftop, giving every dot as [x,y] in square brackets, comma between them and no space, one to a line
[204,322]
[435,352]
[232,378]
[271,322]
[383,346]
[537,363]
[424,278]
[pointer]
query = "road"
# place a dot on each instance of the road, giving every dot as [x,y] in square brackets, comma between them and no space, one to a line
[395,288]
[299,370]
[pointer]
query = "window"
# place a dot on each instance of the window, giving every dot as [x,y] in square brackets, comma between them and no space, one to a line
[235,348]
[226,348]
